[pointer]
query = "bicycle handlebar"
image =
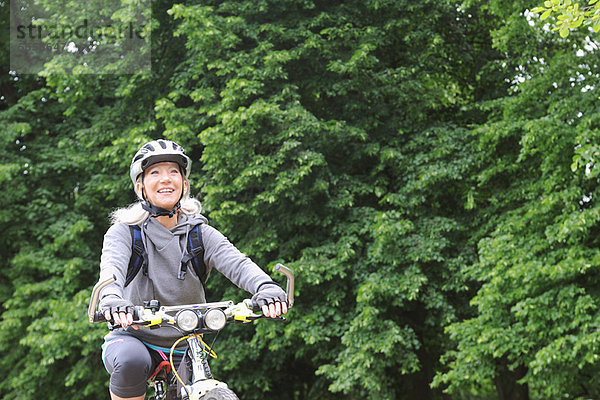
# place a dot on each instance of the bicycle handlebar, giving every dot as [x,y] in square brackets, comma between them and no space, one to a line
[290,282]
[240,312]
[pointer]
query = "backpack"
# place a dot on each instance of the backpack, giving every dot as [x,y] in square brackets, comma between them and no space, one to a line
[139,257]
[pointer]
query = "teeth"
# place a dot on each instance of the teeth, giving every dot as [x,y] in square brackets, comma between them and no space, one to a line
[165,191]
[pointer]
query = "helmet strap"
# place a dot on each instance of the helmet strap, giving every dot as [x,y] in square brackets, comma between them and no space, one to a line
[159,211]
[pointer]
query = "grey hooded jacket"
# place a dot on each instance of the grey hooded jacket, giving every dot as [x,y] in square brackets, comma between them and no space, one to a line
[165,249]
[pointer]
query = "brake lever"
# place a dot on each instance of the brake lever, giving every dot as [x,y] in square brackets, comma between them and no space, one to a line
[255,317]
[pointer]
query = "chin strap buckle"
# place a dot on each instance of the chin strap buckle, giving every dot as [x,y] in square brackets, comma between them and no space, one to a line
[159,211]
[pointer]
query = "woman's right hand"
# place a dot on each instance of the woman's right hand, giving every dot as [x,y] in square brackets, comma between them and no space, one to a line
[117,310]
[119,316]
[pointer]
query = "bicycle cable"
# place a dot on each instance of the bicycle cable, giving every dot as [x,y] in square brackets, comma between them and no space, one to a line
[206,348]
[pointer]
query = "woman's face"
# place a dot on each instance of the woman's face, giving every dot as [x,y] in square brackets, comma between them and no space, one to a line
[163,184]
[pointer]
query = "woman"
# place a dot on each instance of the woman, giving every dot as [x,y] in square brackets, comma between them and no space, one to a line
[165,214]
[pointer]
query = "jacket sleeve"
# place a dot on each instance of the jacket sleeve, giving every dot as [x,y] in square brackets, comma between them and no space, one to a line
[223,256]
[116,252]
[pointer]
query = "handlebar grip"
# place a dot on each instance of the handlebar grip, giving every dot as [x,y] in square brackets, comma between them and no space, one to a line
[255,308]
[137,315]
[99,317]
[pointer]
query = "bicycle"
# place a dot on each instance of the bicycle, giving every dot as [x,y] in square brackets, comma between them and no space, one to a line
[192,321]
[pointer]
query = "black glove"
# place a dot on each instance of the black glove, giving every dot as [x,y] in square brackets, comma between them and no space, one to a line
[121,309]
[115,304]
[269,292]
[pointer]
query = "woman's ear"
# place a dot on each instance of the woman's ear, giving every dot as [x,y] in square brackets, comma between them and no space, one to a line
[139,187]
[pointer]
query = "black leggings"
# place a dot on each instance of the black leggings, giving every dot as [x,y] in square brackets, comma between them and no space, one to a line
[130,363]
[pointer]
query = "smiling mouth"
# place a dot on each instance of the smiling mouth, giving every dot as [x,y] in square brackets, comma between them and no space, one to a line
[166,191]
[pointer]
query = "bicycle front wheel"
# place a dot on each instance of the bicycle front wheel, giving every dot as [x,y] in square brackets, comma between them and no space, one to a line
[220,394]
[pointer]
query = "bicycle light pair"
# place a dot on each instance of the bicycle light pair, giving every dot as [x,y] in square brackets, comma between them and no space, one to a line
[213,319]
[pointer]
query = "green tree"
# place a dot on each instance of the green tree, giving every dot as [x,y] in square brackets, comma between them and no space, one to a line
[534,334]
[429,172]
[334,136]
[64,137]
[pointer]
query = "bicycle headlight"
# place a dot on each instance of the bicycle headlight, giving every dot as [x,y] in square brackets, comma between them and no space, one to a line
[187,320]
[215,319]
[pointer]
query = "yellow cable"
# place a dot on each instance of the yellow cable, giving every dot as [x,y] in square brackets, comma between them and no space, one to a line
[210,352]
[171,359]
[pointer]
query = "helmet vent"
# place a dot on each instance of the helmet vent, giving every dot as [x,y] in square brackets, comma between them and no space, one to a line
[162,144]
[149,147]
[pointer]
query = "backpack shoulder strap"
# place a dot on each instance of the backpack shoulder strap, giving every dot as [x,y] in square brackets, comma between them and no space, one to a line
[196,250]
[138,258]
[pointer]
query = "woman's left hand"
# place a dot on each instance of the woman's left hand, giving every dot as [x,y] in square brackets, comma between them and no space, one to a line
[271,299]
[273,310]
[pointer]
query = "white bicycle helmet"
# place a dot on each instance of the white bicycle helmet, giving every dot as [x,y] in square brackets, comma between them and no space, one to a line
[152,153]
[159,151]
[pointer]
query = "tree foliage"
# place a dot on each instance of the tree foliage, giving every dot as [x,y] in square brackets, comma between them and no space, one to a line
[571,14]
[428,171]
[536,307]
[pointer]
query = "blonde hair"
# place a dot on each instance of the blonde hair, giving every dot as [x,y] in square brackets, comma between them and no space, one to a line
[134,214]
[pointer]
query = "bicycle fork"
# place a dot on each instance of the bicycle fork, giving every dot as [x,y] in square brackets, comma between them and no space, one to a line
[202,379]
[200,368]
